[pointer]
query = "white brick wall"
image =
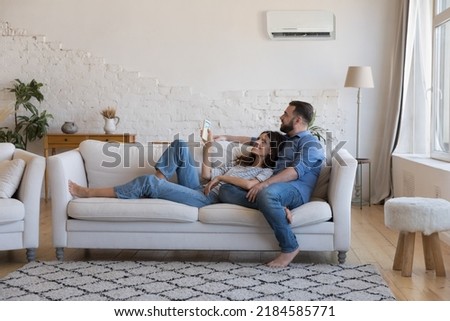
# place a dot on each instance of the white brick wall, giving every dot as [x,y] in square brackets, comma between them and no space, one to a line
[77,85]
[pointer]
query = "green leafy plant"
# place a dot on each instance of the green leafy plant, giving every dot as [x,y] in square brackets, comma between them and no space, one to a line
[27,127]
[316,130]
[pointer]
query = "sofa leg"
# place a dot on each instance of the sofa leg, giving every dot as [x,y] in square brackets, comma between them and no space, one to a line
[31,255]
[60,253]
[342,255]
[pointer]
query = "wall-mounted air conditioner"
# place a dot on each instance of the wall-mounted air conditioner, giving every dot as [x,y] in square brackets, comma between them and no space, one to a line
[300,25]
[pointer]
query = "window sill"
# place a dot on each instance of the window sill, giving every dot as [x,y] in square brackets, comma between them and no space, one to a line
[425,160]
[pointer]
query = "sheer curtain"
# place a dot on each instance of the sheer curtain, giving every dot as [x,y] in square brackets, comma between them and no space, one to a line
[410,79]
[414,134]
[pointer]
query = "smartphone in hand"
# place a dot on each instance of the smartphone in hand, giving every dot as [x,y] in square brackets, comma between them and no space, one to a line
[206,126]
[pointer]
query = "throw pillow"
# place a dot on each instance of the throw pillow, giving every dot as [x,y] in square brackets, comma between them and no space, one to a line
[321,188]
[11,172]
[6,151]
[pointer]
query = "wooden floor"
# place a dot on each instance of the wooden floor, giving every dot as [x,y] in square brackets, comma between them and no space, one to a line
[372,243]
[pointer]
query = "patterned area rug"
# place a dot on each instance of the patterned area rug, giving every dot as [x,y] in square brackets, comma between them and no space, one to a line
[183,281]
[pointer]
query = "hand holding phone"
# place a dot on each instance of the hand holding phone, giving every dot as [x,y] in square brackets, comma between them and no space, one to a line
[206,126]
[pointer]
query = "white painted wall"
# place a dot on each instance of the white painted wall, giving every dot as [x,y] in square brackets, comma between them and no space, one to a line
[217,46]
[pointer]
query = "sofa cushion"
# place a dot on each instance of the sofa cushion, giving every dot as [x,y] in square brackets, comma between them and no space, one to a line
[11,210]
[110,164]
[145,209]
[230,214]
[321,188]
[11,172]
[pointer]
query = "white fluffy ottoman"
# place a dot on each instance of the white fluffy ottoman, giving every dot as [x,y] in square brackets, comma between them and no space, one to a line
[417,214]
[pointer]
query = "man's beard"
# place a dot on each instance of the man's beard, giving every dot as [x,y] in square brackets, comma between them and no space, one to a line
[286,128]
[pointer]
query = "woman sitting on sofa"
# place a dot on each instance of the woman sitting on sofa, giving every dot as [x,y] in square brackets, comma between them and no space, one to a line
[248,171]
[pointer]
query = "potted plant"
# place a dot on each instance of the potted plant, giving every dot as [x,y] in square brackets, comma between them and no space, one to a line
[111,120]
[27,128]
[316,130]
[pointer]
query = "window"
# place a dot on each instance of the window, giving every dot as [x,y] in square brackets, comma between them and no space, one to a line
[442,5]
[440,119]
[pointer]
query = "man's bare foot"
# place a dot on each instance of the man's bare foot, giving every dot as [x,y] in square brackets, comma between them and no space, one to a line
[289,215]
[77,190]
[283,259]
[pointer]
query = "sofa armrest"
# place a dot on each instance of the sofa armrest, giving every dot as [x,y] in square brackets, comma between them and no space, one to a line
[29,193]
[61,168]
[340,191]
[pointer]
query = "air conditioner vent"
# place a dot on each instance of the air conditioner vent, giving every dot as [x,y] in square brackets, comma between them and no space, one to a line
[301,34]
[300,25]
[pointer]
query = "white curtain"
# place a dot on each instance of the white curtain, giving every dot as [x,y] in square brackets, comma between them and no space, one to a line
[414,134]
[407,123]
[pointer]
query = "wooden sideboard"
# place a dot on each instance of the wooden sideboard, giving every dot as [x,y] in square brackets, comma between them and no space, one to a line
[52,142]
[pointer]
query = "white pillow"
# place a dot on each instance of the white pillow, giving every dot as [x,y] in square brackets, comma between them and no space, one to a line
[111,164]
[11,172]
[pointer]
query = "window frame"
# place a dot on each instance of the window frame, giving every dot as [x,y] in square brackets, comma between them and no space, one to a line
[441,17]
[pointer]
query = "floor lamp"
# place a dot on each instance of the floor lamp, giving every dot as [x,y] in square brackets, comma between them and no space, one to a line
[358,77]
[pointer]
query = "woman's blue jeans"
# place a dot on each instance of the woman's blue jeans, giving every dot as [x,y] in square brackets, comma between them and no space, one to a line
[271,201]
[175,159]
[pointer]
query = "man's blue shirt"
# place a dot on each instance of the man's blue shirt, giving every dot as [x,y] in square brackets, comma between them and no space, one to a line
[305,154]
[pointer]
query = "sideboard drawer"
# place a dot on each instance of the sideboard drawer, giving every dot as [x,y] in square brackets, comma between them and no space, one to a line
[67,139]
[109,138]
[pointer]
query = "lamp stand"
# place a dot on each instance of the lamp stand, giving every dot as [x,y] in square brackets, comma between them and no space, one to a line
[358,103]
[359,77]
[357,186]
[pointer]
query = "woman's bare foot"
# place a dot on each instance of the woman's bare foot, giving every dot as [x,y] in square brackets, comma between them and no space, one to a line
[80,191]
[283,259]
[77,190]
[289,215]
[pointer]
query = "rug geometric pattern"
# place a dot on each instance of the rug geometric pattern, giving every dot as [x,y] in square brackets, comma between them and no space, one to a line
[183,281]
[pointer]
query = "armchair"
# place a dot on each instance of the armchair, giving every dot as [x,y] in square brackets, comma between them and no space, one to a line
[19,214]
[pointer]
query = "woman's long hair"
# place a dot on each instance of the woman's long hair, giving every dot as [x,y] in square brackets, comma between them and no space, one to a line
[275,138]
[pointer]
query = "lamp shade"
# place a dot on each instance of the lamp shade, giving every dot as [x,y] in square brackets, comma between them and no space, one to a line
[359,77]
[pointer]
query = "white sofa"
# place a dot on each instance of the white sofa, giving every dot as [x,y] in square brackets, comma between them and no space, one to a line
[19,214]
[159,224]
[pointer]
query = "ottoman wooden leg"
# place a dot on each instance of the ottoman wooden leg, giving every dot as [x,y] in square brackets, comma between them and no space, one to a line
[427,253]
[437,254]
[408,254]
[398,259]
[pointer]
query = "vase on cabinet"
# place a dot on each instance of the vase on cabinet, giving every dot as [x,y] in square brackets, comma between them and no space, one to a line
[111,125]
[69,127]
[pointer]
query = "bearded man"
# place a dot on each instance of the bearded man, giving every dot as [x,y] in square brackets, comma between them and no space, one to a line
[296,171]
